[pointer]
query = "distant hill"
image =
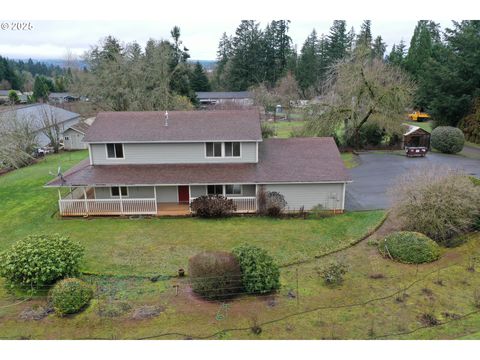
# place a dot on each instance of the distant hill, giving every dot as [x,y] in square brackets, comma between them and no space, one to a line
[207,64]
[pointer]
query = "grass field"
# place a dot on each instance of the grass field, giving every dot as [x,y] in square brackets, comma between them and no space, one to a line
[379,299]
[284,129]
[350,160]
[161,245]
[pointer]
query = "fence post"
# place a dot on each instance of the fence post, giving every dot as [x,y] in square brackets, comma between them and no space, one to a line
[298,294]
[121,200]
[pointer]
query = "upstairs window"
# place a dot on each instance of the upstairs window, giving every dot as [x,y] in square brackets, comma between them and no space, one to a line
[214,149]
[232,149]
[115,191]
[226,149]
[215,189]
[115,151]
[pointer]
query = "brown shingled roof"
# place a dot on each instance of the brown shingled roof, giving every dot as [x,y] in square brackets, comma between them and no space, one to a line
[149,126]
[280,160]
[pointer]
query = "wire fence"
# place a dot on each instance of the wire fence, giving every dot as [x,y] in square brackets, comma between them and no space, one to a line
[398,304]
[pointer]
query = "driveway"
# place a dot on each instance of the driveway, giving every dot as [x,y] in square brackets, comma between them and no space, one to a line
[377,172]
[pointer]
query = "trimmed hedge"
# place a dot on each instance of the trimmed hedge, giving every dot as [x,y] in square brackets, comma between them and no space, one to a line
[40,260]
[215,275]
[69,296]
[213,206]
[410,247]
[447,139]
[260,271]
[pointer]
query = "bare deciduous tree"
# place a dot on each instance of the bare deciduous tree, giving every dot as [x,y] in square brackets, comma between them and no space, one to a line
[17,140]
[361,89]
[437,201]
[50,126]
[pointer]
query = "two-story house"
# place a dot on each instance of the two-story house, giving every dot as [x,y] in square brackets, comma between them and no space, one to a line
[156,163]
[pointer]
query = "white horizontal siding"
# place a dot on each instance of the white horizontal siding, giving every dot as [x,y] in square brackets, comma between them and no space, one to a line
[167,194]
[330,196]
[169,153]
[134,192]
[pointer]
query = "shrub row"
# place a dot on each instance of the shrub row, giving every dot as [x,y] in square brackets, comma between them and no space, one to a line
[221,275]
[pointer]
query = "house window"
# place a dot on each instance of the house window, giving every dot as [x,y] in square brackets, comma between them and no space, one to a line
[215,189]
[233,189]
[66,138]
[232,149]
[214,149]
[115,151]
[115,190]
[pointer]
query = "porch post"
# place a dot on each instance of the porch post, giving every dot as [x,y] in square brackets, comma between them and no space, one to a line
[85,198]
[121,201]
[256,197]
[155,196]
[59,194]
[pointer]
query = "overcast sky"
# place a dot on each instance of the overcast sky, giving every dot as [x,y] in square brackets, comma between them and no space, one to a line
[51,39]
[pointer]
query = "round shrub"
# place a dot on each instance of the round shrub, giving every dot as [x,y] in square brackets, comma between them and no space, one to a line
[215,275]
[447,139]
[69,296]
[410,247]
[260,271]
[276,203]
[40,260]
[213,206]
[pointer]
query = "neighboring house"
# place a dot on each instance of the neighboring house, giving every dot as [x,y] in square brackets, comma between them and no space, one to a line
[35,114]
[150,163]
[63,97]
[73,136]
[216,98]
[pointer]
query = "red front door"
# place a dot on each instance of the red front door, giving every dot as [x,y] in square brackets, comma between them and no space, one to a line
[183,194]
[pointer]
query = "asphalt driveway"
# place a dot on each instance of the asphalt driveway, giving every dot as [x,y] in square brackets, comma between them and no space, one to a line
[377,172]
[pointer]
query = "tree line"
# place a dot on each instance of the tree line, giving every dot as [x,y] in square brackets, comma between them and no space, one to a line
[21,75]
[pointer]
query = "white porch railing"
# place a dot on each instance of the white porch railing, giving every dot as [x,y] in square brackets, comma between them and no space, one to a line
[245,204]
[84,207]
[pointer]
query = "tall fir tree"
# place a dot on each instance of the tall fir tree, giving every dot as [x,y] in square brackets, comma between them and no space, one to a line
[364,38]
[338,42]
[199,80]
[308,64]
[379,47]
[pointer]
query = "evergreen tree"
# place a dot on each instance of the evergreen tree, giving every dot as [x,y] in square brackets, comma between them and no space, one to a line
[247,66]
[42,87]
[364,38]
[449,80]
[278,50]
[379,48]
[425,36]
[397,54]
[308,65]
[199,79]
[338,42]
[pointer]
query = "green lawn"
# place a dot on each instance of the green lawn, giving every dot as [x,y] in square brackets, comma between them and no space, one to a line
[379,298]
[161,245]
[284,129]
[350,160]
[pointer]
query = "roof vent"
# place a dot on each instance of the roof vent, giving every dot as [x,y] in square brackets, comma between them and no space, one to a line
[166,118]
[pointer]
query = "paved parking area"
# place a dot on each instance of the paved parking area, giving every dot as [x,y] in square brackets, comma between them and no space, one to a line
[377,172]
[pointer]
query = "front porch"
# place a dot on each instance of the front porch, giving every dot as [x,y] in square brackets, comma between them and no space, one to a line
[86,201]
